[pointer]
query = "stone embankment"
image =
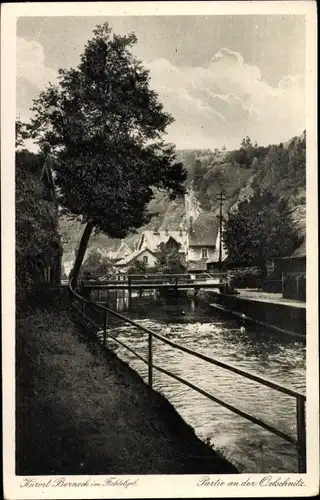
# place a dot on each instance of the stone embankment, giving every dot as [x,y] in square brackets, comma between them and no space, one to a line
[81,410]
[268,310]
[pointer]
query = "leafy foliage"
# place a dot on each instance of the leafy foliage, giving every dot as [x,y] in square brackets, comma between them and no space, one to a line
[21,133]
[97,265]
[37,237]
[170,260]
[260,230]
[283,169]
[104,125]
[247,154]
[138,267]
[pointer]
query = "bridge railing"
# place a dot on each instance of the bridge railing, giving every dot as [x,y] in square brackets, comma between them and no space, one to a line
[152,279]
[101,323]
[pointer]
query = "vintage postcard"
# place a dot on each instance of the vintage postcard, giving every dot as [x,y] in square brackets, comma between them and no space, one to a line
[159,250]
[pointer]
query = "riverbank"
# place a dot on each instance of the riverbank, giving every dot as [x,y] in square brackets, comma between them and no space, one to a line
[284,316]
[81,410]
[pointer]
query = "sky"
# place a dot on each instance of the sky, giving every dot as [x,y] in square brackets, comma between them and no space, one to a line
[221,77]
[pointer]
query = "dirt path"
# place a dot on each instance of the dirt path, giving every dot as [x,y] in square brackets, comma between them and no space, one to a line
[80,410]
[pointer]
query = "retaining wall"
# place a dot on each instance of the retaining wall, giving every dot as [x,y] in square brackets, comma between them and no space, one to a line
[287,317]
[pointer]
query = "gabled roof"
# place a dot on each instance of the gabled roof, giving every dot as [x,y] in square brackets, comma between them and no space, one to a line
[132,241]
[204,231]
[123,249]
[152,239]
[132,256]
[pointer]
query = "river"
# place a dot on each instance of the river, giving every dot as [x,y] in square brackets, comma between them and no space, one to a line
[201,328]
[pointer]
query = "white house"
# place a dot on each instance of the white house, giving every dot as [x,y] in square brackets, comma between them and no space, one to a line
[123,252]
[153,238]
[202,238]
[143,255]
[199,244]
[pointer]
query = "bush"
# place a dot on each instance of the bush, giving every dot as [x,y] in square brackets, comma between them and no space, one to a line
[37,237]
[96,265]
[244,278]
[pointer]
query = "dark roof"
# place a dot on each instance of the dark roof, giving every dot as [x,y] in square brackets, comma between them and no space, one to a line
[204,231]
[301,251]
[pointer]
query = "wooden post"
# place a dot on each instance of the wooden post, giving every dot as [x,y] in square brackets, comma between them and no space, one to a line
[129,290]
[150,359]
[105,325]
[301,435]
[297,288]
[221,198]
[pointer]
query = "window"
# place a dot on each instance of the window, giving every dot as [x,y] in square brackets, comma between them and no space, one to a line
[204,253]
[145,259]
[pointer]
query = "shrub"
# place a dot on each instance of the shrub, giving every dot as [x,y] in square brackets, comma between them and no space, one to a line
[244,278]
[37,238]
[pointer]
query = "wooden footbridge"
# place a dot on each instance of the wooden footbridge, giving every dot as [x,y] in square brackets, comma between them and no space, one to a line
[156,281]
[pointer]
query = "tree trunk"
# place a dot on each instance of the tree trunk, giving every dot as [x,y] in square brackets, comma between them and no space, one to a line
[81,253]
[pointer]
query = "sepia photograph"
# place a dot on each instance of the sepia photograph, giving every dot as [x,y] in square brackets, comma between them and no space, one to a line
[163,205]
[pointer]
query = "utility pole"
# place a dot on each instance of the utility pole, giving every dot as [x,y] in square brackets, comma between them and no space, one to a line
[221,198]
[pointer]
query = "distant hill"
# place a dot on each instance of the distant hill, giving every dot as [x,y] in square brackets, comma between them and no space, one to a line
[280,168]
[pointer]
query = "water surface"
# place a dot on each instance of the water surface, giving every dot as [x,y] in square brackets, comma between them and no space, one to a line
[257,350]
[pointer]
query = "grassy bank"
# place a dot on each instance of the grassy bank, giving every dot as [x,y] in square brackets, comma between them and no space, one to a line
[80,410]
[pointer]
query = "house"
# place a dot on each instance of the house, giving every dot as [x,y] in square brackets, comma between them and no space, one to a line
[214,264]
[143,255]
[152,239]
[123,251]
[292,272]
[203,243]
[198,244]
[202,238]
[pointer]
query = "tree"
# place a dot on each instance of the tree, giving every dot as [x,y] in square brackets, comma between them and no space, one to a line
[104,125]
[246,143]
[138,267]
[260,230]
[170,260]
[239,156]
[297,161]
[21,134]
[97,265]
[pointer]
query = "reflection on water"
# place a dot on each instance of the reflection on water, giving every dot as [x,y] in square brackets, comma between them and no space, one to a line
[256,350]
